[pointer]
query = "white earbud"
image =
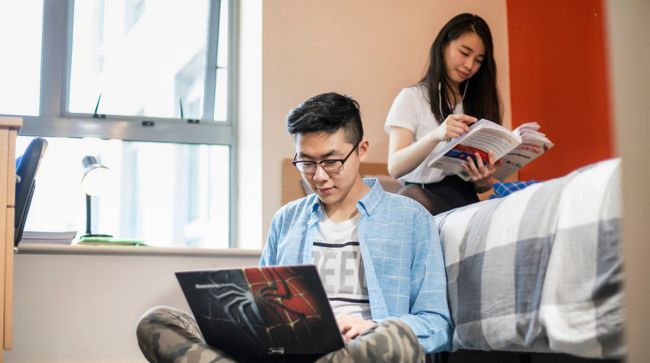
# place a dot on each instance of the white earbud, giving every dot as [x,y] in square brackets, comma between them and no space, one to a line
[440,97]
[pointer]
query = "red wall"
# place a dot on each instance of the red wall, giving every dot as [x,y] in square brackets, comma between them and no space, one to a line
[558,77]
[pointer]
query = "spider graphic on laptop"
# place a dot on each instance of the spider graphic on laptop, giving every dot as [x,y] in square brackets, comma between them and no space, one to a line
[270,303]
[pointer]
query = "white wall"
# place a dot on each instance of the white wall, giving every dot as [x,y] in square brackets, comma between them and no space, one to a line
[368,49]
[249,115]
[628,38]
[84,308]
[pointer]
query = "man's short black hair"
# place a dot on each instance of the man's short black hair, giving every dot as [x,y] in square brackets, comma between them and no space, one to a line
[327,112]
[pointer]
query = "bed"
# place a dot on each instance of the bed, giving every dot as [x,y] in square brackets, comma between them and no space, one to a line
[536,271]
[540,269]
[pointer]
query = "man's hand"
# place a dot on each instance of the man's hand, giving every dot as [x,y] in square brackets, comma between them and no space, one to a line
[352,326]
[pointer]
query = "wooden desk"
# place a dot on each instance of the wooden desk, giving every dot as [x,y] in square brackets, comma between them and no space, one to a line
[8,131]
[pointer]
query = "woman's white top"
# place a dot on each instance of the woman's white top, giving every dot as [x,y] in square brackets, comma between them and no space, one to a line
[411,110]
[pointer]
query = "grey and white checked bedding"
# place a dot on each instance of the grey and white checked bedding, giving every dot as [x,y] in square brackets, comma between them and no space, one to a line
[540,269]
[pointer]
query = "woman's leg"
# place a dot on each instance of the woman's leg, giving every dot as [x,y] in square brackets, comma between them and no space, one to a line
[447,194]
[433,203]
[391,341]
[167,335]
[454,191]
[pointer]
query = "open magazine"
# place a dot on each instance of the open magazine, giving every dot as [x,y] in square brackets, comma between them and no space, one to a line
[513,149]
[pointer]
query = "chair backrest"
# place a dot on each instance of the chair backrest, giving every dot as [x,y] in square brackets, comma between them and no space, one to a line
[26,167]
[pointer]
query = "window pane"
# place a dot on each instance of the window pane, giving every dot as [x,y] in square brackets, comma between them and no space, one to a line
[145,58]
[20,64]
[221,83]
[222,59]
[166,194]
[221,96]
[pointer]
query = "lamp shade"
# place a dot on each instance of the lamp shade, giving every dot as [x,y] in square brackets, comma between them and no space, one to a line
[95,177]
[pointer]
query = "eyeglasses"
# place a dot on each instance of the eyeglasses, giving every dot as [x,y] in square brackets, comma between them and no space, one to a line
[330,165]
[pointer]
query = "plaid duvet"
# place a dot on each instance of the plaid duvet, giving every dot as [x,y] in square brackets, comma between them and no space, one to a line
[539,270]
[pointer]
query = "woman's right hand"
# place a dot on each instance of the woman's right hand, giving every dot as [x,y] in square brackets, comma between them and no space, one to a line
[405,154]
[453,126]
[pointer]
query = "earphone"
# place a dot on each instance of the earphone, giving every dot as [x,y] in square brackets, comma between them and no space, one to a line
[440,98]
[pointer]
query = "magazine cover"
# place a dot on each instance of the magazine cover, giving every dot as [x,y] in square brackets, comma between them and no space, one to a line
[513,149]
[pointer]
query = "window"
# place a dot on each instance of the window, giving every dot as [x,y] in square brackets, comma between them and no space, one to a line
[151,68]
[20,37]
[146,87]
[157,191]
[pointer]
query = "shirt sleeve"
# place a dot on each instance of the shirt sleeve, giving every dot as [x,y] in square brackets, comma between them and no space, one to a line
[404,111]
[429,316]
[269,253]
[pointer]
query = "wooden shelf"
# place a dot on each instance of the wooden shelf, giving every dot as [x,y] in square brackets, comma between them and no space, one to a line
[8,132]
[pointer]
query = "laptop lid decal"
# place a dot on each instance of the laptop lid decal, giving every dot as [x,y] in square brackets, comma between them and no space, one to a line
[270,310]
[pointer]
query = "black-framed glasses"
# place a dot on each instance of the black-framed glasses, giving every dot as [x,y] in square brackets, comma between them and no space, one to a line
[329,165]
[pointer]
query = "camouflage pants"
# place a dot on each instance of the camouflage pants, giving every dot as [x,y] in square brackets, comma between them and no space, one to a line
[167,335]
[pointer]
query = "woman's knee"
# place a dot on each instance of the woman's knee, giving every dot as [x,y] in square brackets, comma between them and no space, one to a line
[414,192]
[428,200]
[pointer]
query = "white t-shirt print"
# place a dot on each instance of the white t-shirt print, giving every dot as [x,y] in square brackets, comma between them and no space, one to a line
[337,257]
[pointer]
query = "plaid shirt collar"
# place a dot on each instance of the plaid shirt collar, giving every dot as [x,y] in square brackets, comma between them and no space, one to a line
[366,205]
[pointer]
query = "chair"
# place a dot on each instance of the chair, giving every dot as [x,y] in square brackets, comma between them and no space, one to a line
[26,168]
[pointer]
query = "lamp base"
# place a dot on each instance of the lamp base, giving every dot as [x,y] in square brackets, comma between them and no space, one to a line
[92,235]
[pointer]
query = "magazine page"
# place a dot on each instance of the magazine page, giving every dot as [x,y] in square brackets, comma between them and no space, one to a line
[527,127]
[483,136]
[533,145]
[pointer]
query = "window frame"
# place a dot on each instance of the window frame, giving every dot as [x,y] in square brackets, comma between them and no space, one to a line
[54,119]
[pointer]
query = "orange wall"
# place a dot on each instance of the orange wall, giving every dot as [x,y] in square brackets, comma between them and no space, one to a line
[558,77]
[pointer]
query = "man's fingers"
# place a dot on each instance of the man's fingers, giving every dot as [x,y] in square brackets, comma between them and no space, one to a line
[351,333]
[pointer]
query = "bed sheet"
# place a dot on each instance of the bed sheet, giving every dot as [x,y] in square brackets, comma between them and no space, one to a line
[540,269]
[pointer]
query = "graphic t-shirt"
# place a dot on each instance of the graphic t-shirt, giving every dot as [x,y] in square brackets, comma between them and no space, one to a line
[337,257]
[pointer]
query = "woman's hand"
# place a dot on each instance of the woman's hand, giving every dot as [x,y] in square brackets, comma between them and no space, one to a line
[479,172]
[405,153]
[352,326]
[453,126]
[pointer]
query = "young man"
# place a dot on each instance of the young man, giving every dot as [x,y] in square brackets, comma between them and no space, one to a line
[378,253]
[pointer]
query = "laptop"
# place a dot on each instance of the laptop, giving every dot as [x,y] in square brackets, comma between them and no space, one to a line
[262,311]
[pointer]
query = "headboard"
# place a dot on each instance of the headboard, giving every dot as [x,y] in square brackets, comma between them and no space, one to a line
[291,179]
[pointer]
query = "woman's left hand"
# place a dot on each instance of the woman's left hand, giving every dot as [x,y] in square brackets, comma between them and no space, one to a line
[479,172]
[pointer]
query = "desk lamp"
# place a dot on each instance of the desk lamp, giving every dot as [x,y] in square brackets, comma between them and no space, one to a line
[93,181]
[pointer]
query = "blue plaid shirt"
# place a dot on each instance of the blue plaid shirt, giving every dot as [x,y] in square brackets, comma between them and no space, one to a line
[401,253]
[502,189]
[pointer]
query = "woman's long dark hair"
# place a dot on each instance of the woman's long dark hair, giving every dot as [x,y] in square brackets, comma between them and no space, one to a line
[482,98]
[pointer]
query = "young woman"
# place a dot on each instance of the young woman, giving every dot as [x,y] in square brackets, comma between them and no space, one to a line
[458,88]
